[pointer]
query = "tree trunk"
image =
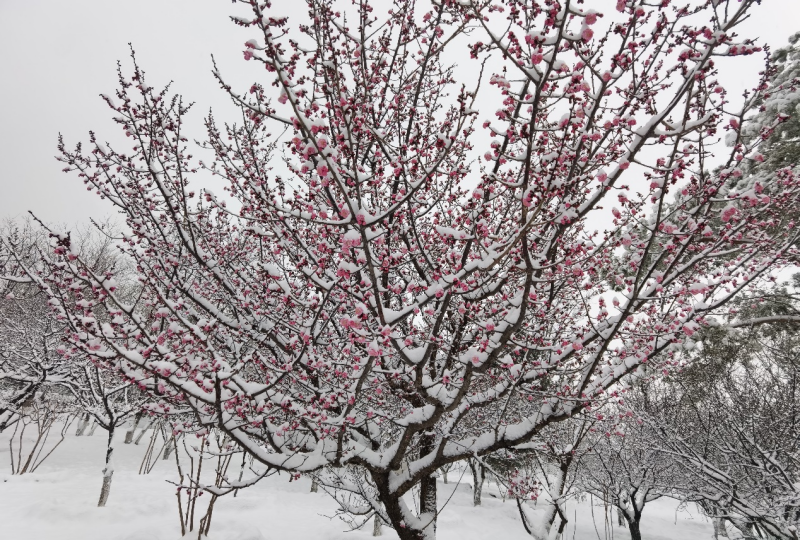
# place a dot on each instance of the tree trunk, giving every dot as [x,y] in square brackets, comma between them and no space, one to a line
[444,476]
[82,425]
[620,518]
[427,502]
[141,434]
[633,527]
[397,511]
[376,526]
[719,528]
[555,487]
[168,449]
[478,475]
[108,472]
[314,485]
[130,433]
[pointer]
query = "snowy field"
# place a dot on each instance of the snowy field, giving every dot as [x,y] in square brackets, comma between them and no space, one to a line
[58,501]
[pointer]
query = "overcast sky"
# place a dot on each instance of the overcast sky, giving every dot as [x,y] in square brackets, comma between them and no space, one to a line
[56,56]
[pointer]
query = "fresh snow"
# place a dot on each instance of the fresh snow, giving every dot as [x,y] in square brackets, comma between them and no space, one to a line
[58,502]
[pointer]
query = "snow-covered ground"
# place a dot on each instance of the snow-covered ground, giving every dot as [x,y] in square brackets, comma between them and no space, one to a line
[59,500]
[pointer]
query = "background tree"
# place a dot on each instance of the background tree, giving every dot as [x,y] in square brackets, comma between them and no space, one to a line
[38,371]
[555,460]
[29,362]
[108,401]
[733,418]
[625,468]
[782,144]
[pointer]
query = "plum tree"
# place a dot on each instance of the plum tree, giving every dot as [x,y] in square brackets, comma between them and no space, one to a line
[405,271]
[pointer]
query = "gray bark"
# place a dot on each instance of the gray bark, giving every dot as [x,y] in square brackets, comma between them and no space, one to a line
[141,434]
[719,528]
[83,423]
[478,475]
[395,512]
[168,449]
[108,472]
[633,527]
[427,499]
[130,433]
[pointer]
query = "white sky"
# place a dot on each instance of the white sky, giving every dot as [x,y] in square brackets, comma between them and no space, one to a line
[56,56]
